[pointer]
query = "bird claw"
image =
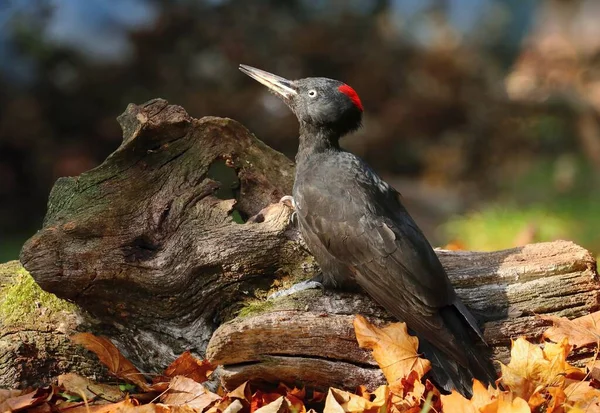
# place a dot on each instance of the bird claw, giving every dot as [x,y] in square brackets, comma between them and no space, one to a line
[301,286]
[294,217]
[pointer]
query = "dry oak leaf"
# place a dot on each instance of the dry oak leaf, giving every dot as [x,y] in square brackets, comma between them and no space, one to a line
[7,394]
[295,403]
[77,385]
[28,400]
[112,358]
[581,395]
[279,405]
[581,331]
[340,401]
[393,348]
[185,365]
[530,367]
[231,402]
[103,408]
[184,391]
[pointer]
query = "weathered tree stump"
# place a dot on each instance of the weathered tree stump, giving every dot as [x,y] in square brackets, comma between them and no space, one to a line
[34,333]
[154,244]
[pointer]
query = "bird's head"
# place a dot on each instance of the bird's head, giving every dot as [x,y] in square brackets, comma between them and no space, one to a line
[317,102]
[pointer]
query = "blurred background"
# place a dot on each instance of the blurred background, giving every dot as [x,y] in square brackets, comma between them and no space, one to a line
[485,114]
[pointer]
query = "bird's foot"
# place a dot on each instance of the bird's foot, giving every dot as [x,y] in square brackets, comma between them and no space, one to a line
[301,286]
[294,216]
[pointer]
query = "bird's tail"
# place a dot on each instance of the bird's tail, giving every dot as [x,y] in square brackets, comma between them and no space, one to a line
[447,373]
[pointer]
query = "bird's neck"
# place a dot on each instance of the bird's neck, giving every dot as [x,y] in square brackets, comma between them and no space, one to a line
[314,140]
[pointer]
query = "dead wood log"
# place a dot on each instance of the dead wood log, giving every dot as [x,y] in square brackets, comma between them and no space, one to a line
[34,333]
[151,243]
[302,336]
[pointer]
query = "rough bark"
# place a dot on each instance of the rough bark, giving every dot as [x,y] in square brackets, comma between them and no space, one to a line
[151,243]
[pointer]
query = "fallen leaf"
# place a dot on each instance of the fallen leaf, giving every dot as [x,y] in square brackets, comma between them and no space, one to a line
[342,401]
[161,408]
[102,408]
[295,404]
[393,348]
[557,399]
[284,390]
[261,399]
[42,408]
[234,407]
[241,395]
[28,400]
[188,366]
[112,358]
[7,394]
[582,395]
[456,403]
[557,354]
[530,367]
[580,332]
[278,406]
[407,393]
[184,391]
[508,403]
[77,385]
[241,392]
[482,397]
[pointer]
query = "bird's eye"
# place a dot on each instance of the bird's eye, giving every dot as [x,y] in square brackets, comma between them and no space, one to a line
[312,93]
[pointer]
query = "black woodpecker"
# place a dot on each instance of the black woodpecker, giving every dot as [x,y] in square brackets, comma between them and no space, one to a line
[362,236]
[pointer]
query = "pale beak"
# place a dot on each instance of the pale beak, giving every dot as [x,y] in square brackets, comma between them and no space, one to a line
[278,85]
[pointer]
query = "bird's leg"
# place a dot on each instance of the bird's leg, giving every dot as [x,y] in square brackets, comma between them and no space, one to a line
[301,286]
[293,218]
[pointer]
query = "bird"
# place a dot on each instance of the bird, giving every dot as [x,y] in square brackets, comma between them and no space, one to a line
[363,238]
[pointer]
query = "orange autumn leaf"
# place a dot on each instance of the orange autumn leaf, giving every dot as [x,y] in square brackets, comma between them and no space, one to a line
[557,354]
[456,403]
[408,393]
[340,401]
[185,365]
[393,348]
[581,331]
[299,393]
[112,358]
[530,367]
[279,405]
[508,403]
[235,400]
[261,399]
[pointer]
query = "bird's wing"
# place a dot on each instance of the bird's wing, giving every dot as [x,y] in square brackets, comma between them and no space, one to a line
[367,229]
